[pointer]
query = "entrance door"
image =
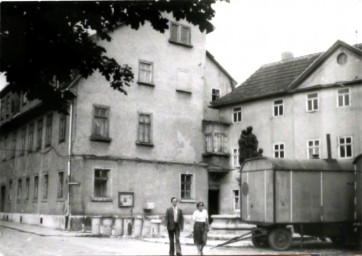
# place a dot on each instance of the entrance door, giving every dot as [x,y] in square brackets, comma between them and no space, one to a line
[213,203]
[2,200]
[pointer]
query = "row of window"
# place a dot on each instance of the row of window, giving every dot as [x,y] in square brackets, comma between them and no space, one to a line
[24,185]
[312,104]
[11,104]
[31,136]
[345,149]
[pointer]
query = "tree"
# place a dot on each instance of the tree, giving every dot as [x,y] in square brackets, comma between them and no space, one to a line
[44,44]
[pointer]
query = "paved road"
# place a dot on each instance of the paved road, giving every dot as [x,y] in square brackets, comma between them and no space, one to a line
[14,243]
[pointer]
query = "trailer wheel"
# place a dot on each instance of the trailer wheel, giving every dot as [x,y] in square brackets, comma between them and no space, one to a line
[280,239]
[259,240]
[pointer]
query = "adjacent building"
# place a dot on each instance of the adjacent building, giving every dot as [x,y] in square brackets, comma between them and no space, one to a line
[116,154]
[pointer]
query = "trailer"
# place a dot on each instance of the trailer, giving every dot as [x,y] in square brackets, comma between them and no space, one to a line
[309,197]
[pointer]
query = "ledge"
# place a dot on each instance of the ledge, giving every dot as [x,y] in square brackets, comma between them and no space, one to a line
[183,91]
[146,144]
[187,201]
[100,139]
[181,44]
[101,199]
[145,84]
[216,154]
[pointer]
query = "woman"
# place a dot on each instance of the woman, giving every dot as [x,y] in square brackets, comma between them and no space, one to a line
[201,227]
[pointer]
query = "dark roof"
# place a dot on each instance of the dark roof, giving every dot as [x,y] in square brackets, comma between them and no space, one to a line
[277,78]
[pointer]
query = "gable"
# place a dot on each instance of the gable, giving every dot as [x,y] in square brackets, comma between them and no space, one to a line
[330,71]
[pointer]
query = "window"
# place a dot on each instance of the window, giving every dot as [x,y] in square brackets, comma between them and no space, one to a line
[313,149]
[145,72]
[10,190]
[100,122]
[186,186]
[100,182]
[62,127]
[220,142]
[183,81]
[19,189]
[144,128]
[278,150]
[3,109]
[180,34]
[236,200]
[13,146]
[215,137]
[39,140]
[30,137]
[15,104]
[345,147]
[36,187]
[343,99]
[237,115]
[48,130]
[236,157]
[45,186]
[312,102]
[27,188]
[22,141]
[60,184]
[278,108]
[215,94]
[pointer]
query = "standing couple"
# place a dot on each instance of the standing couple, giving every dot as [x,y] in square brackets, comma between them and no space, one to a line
[175,224]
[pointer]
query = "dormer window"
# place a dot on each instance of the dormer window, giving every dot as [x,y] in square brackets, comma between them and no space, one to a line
[180,34]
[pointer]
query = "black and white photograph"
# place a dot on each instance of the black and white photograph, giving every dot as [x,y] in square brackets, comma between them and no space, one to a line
[181,127]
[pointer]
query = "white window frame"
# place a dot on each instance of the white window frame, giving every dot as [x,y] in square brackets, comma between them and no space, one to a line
[193,192]
[151,128]
[139,71]
[344,99]
[109,182]
[233,200]
[345,144]
[236,112]
[108,120]
[278,108]
[212,93]
[179,35]
[313,147]
[307,101]
[279,150]
[235,158]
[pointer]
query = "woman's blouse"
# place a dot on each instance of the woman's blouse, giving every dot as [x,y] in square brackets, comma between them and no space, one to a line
[200,216]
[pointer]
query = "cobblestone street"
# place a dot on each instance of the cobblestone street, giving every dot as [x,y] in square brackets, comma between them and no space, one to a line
[17,242]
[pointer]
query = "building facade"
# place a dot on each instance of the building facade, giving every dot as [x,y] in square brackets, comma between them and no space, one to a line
[299,108]
[116,154]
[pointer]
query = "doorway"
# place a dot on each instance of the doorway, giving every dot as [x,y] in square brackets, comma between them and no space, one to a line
[3,197]
[213,203]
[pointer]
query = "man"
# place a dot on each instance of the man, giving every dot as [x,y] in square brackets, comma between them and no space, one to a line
[174,224]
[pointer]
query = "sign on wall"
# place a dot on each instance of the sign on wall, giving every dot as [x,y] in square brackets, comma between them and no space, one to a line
[125,199]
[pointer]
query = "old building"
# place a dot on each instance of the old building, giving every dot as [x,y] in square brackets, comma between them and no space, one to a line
[300,108]
[116,154]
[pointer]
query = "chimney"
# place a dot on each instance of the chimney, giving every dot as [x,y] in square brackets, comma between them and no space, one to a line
[287,55]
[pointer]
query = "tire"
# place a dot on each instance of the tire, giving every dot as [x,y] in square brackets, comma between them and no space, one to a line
[259,240]
[280,239]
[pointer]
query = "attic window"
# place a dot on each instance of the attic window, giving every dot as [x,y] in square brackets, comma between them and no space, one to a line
[342,58]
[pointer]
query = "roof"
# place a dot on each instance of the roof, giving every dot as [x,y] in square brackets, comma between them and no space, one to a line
[212,58]
[265,163]
[279,78]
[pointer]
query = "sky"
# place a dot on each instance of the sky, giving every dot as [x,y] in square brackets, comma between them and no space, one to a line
[250,33]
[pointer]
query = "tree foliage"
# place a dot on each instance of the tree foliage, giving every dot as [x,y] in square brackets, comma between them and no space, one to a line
[43,44]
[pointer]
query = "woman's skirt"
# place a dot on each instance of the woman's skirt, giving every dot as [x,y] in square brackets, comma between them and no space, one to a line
[200,233]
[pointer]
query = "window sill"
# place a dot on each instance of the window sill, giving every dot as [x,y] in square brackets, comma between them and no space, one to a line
[181,44]
[100,139]
[312,111]
[216,154]
[145,84]
[60,200]
[101,199]
[146,144]
[183,91]
[187,201]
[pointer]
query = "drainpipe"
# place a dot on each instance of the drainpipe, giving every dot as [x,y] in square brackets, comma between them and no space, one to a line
[68,214]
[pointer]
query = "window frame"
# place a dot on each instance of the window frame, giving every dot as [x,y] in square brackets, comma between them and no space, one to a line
[279,150]
[179,34]
[48,129]
[344,94]
[27,188]
[237,112]
[212,93]
[233,200]
[192,188]
[314,147]
[96,137]
[307,101]
[108,183]
[19,191]
[235,156]
[36,181]
[60,185]
[139,72]
[30,133]
[345,145]
[45,187]
[138,141]
[278,108]
[22,141]
[62,133]
[39,135]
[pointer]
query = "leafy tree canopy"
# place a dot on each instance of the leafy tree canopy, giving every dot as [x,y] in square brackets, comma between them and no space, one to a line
[43,44]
